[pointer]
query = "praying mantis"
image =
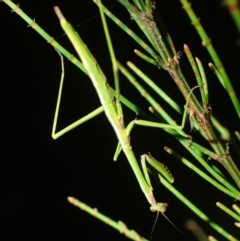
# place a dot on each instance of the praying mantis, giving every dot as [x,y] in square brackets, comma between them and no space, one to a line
[112,110]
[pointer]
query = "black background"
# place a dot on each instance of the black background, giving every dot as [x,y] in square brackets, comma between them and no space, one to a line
[38,173]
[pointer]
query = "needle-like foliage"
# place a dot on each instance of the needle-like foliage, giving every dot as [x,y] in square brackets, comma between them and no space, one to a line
[161,53]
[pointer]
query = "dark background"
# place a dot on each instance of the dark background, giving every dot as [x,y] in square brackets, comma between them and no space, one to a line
[38,173]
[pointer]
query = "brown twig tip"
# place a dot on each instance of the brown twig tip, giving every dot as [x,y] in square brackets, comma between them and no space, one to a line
[211,238]
[197,60]
[165,148]
[185,47]
[210,65]
[237,224]
[71,199]
[58,13]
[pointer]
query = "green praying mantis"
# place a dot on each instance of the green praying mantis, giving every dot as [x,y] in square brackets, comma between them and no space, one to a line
[113,112]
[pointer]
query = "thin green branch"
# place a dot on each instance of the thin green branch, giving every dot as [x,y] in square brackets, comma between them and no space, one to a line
[200,173]
[120,226]
[228,211]
[206,42]
[197,211]
[234,10]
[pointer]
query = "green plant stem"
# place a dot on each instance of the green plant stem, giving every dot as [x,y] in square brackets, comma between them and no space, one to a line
[200,173]
[236,208]
[228,211]
[197,211]
[206,42]
[234,10]
[120,226]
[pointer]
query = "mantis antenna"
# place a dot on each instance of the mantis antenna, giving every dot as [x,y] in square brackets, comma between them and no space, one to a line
[161,208]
